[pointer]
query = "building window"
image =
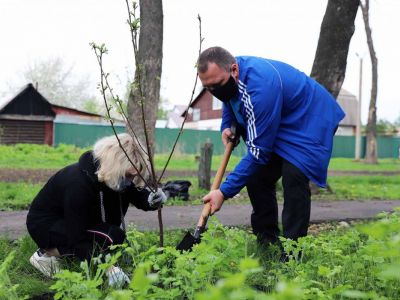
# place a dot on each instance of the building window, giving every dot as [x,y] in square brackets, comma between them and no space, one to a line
[196,114]
[216,103]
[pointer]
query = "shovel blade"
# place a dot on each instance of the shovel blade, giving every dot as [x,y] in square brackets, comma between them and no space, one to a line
[187,242]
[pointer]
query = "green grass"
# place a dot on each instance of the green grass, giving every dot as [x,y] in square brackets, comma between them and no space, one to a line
[348,164]
[189,162]
[366,187]
[18,195]
[29,156]
[30,281]
[345,188]
[14,196]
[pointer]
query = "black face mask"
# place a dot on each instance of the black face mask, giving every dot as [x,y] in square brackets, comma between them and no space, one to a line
[124,185]
[227,91]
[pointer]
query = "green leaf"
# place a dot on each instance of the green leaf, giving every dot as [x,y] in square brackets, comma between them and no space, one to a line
[354,294]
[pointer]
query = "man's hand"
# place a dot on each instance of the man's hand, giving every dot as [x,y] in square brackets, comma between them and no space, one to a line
[227,136]
[216,199]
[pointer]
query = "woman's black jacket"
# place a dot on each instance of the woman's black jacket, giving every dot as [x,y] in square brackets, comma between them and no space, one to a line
[73,194]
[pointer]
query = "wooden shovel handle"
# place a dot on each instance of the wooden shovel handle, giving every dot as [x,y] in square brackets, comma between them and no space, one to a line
[216,183]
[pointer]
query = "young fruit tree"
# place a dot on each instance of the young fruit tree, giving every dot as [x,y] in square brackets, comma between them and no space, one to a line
[140,116]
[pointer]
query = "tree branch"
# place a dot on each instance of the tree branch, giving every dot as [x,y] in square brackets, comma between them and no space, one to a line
[125,118]
[99,51]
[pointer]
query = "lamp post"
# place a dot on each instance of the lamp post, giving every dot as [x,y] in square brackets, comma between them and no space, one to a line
[358,126]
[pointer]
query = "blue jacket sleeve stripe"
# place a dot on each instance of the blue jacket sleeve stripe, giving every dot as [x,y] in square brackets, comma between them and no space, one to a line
[264,110]
[251,123]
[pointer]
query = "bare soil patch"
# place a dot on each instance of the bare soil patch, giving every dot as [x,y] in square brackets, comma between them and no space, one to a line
[42,175]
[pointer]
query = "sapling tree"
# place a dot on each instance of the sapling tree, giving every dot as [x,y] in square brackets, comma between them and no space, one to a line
[143,99]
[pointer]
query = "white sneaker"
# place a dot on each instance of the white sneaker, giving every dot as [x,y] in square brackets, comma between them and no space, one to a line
[116,277]
[48,265]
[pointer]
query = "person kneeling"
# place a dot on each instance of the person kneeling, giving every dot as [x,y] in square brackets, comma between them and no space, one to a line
[80,210]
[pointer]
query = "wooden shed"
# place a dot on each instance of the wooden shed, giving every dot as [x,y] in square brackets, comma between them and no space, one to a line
[29,118]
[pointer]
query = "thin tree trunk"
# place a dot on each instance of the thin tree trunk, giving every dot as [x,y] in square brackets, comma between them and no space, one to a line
[372,147]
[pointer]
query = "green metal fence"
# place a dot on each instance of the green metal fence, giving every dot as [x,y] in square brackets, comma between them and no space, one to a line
[82,135]
[191,140]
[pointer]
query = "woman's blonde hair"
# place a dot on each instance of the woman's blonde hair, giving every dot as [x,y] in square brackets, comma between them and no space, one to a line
[113,163]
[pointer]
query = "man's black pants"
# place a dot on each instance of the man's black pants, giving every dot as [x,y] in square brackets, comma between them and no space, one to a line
[297,201]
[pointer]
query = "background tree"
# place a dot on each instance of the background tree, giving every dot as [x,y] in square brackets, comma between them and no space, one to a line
[385,127]
[148,69]
[337,28]
[93,106]
[59,84]
[371,155]
[330,60]
[147,38]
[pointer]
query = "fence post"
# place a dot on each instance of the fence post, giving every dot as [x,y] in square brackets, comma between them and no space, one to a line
[204,174]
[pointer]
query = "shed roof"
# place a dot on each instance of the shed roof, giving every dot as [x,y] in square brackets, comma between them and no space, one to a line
[29,95]
[28,102]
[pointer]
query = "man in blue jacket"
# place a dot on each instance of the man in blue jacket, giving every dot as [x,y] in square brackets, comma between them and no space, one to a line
[287,121]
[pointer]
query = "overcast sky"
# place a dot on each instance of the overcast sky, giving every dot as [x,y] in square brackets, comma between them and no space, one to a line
[286,30]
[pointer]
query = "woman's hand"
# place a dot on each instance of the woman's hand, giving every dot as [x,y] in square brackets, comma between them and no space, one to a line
[157,198]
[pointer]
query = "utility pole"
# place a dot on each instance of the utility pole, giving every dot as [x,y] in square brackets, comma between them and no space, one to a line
[358,127]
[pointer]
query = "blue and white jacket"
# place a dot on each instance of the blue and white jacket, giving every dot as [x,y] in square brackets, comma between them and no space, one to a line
[280,109]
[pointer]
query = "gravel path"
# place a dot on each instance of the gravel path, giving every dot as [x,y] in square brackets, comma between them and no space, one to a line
[13,223]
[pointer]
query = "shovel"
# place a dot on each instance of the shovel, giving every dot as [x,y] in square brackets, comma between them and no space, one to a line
[191,239]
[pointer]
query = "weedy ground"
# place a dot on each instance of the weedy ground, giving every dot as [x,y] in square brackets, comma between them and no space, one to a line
[358,262]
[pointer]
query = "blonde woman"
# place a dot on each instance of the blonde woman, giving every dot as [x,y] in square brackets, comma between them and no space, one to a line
[82,207]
